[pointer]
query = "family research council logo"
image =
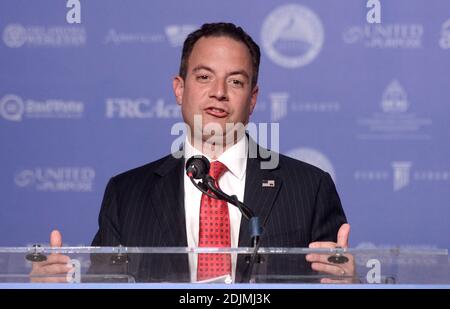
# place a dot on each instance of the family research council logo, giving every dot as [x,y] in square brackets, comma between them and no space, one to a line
[292,36]
[56,179]
[394,98]
[395,121]
[17,35]
[14,108]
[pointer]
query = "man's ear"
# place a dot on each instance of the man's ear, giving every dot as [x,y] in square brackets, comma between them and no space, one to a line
[253,98]
[178,88]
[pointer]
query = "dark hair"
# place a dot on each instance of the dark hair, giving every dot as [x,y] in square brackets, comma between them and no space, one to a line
[218,30]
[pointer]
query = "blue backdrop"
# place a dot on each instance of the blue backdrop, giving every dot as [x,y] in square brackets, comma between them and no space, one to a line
[367,102]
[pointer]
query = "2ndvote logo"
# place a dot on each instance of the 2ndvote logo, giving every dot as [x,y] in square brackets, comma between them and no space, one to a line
[56,179]
[11,107]
[14,108]
[14,35]
[292,36]
[17,35]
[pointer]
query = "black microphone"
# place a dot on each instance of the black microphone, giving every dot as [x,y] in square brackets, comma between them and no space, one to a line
[197,167]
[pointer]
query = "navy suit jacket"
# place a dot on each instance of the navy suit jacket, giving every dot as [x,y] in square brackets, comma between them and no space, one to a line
[145,207]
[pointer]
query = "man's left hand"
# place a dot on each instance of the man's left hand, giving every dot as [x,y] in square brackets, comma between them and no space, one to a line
[319,262]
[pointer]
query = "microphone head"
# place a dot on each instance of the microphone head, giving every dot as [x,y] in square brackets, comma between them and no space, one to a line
[197,167]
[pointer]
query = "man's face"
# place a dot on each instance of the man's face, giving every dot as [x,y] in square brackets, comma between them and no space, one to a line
[218,84]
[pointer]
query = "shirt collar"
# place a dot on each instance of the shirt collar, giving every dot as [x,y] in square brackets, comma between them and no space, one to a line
[234,158]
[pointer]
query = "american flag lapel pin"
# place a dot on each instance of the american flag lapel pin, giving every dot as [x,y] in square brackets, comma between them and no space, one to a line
[270,183]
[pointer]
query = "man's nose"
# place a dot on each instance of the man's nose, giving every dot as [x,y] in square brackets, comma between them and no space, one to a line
[219,90]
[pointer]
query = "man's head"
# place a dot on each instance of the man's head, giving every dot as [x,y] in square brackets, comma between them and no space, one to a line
[221,30]
[218,78]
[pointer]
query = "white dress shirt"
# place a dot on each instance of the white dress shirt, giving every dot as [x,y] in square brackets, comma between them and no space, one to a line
[232,182]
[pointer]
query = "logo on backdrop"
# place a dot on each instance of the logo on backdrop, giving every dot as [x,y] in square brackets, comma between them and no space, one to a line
[402,174]
[444,41]
[16,35]
[11,107]
[141,108]
[14,108]
[116,37]
[292,36]
[313,157]
[176,34]
[394,98]
[56,179]
[281,105]
[395,121]
[278,105]
[385,35]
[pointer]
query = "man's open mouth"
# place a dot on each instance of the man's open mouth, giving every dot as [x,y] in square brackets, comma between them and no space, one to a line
[216,112]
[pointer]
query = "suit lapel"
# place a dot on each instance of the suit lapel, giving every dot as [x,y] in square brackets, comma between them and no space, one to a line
[261,190]
[168,200]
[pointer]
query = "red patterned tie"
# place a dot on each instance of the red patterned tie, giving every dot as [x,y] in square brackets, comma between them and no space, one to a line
[214,231]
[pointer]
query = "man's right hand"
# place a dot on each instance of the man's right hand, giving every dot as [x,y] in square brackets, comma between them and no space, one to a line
[54,269]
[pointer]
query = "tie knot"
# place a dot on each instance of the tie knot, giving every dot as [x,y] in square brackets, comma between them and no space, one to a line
[217,169]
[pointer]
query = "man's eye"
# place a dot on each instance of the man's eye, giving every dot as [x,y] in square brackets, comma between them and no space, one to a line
[237,82]
[202,77]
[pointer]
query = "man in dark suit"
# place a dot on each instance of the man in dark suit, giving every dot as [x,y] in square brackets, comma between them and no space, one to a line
[157,206]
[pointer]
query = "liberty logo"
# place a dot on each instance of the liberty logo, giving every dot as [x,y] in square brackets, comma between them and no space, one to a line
[278,105]
[401,174]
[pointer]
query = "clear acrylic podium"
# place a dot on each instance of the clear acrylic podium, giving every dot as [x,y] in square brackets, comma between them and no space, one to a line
[269,265]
